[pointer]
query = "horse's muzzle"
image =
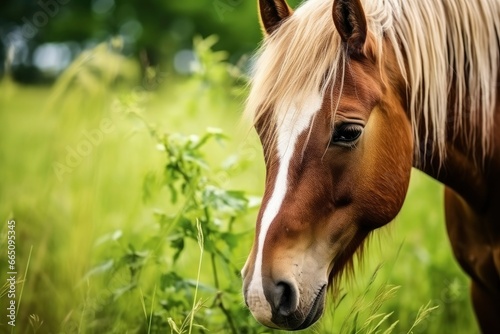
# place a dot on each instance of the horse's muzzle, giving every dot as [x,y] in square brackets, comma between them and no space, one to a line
[286,310]
[288,317]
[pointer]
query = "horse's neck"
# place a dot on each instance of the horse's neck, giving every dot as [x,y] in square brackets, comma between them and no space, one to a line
[468,172]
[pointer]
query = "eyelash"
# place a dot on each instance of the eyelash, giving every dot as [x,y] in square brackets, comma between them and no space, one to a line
[346,134]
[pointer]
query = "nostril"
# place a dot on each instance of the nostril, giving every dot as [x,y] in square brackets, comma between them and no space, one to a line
[285,299]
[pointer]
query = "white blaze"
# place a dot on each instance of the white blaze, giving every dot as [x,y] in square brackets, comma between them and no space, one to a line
[290,127]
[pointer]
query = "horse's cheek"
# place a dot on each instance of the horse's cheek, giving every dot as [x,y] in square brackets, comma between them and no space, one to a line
[387,161]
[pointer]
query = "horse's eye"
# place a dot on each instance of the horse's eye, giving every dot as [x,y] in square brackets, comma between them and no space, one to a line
[346,134]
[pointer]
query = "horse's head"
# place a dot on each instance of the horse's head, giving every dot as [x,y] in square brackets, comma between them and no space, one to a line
[338,153]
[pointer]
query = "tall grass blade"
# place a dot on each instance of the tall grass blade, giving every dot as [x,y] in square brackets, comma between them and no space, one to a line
[201,243]
[152,308]
[24,279]
[143,304]
[422,314]
[390,329]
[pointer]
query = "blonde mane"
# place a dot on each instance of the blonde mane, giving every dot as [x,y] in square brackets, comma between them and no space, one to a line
[440,46]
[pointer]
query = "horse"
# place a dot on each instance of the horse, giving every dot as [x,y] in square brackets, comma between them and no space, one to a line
[347,96]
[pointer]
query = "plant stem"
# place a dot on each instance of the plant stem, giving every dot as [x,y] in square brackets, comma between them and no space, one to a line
[152,308]
[226,312]
[24,282]
[200,244]
[218,299]
[214,270]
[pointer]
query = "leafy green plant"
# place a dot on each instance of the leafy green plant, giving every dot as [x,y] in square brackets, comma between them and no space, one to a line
[206,209]
[200,210]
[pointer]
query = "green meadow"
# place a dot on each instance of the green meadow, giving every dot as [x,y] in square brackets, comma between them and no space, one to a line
[134,195]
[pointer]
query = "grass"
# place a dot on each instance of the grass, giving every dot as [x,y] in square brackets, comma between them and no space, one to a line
[99,257]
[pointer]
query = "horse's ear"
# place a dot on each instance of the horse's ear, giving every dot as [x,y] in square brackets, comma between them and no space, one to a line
[350,21]
[272,14]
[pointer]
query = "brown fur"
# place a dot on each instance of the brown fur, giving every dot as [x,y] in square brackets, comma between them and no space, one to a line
[273,13]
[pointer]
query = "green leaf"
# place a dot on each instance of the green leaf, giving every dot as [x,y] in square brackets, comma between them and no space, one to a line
[113,236]
[231,239]
[178,245]
[224,201]
[169,279]
[120,291]
[102,268]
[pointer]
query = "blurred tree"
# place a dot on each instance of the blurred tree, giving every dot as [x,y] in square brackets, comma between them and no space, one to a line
[152,30]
